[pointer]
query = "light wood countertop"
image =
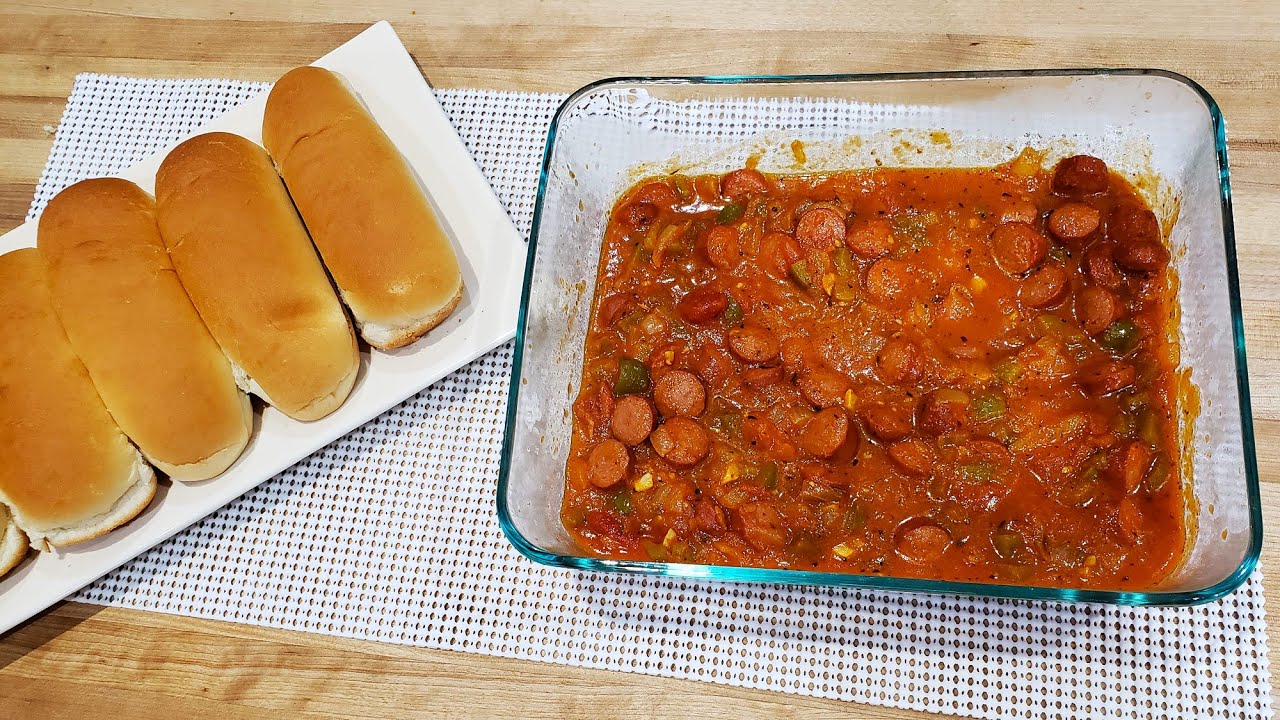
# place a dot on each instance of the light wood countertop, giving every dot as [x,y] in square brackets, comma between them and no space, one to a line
[78,660]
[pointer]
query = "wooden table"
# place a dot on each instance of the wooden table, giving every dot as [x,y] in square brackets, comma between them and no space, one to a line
[78,660]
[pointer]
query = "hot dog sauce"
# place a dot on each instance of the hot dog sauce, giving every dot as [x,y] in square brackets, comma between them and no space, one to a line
[953,374]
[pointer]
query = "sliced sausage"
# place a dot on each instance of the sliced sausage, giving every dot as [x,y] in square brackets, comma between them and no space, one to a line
[605,524]
[989,450]
[702,305]
[794,351]
[1044,288]
[608,463]
[658,193]
[887,279]
[681,441]
[632,419]
[710,518]
[820,228]
[922,541]
[1144,256]
[1081,175]
[1100,267]
[1106,377]
[714,365]
[742,183]
[825,432]
[762,526]
[943,411]
[913,457]
[1020,211]
[638,216]
[763,376]
[823,387]
[614,307]
[899,362]
[886,422]
[753,343]
[1128,463]
[1074,222]
[680,393]
[722,246]
[1018,247]
[1096,308]
[778,252]
[870,239]
[1130,223]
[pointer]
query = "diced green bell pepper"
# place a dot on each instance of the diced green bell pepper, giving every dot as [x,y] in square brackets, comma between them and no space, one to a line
[633,377]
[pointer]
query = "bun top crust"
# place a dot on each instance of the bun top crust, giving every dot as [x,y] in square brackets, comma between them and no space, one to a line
[250,269]
[164,379]
[64,457]
[363,205]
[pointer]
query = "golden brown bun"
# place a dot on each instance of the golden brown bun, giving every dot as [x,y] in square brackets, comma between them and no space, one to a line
[245,260]
[374,226]
[158,370]
[68,473]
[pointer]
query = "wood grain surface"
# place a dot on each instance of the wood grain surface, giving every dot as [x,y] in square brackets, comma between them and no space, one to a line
[78,661]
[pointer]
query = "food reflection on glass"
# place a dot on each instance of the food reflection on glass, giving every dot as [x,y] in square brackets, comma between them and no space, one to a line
[957,374]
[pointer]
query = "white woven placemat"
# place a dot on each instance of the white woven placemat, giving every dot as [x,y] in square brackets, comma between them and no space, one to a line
[390,534]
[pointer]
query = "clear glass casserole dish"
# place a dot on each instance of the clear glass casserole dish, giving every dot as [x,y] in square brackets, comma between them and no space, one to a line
[1157,128]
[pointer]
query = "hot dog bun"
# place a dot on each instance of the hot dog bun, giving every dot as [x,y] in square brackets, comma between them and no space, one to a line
[13,542]
[158,370]
[367,213]
[68,473]
[245,260]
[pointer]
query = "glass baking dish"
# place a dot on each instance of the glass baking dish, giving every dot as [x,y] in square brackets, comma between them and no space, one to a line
[1158,128]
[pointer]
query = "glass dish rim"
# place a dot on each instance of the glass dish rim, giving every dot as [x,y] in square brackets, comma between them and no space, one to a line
[881,582]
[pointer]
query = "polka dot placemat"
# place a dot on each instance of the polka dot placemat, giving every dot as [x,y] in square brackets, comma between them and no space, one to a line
[390,534]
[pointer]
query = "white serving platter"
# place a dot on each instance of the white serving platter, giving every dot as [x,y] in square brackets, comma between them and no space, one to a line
[491,253]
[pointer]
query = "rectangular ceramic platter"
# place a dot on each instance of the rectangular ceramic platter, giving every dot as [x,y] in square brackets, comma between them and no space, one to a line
[491,253]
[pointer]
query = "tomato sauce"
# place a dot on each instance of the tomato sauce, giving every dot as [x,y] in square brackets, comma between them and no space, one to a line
[959,374]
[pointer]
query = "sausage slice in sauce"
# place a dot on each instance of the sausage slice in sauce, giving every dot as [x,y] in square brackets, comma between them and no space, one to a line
[870,239]
[943,411]
[1099,266]
[1018,248]
[723,247]
[1075,222]
[1096,308]
[823,387]
[632,419]
[702,305]
[1129,223]
[680,393]
[681,441]
[886,422]
[753,343]
[608,463]
[1145,256]
[922,541]
[1044,288]
[825,432]
[913,457]
[899,362]
[742,183]
[820,228]
[638,216]
[1080,176]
